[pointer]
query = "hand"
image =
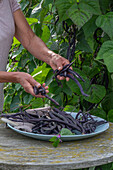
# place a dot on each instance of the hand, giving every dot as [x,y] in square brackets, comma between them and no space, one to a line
[27,82]
[57,62]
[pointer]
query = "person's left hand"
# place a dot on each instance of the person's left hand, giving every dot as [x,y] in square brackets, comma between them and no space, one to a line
[57,62]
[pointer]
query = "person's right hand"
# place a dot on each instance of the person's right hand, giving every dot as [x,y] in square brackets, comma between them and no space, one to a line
[28,82]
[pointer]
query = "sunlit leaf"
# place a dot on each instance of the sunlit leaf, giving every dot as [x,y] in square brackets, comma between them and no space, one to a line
[106,23]
[106,53]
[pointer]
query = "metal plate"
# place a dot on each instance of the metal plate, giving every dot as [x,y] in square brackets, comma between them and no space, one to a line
[100,129]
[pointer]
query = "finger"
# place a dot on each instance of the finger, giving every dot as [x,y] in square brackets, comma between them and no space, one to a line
[29,88]
[43,84]
[67,78]
[47,91]
[60,68]
[46,87]
[58,62]
[60,77]
[71,68]
[33,82]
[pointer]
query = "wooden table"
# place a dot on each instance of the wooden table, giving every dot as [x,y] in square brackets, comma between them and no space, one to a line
[18,152]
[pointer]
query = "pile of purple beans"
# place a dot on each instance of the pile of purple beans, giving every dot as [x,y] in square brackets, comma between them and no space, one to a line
[50,121]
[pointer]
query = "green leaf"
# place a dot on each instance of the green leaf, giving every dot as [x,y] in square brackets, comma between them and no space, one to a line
[78,16]
[15,102]
[40,73]
[65,131]
[83,45]
[8,99]
[54,46]
[106,50]
[78,13]
[97,93]
[90,27]
[93,72]
[45,34]
[106,53]
[66,89]
[55,144]
[15,42]
[47,2]
[109,63]
[31,66]
[23,60]
[54,88]
[63,49]
[18,86]
[82,12]
[36,11]
[70,108]
[27,98]
[43,13]
[19,51]
[106,23]
[74,100]
[83,42]
[49,77]
[37,103]
[38,29]
[110,115]
[57,98]
[91,6]
[104,5]
[32,20]
[74,87]
[63,7]
[107,103]
[47,19]
[59,28]
[53,139]
[11,91]
[92,168]
[24,4]
[107,166]
[98,112]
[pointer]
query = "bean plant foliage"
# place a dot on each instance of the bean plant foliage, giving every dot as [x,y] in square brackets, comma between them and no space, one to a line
[80,30]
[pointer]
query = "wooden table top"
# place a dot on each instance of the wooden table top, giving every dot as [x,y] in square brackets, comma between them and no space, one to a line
[20,152]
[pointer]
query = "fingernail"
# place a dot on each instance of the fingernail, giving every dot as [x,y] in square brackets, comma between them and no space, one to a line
[38,85]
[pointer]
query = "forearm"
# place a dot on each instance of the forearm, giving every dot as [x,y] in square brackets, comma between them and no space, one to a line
[25,79]
[39,49]
[34,44]
[8,77]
